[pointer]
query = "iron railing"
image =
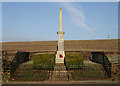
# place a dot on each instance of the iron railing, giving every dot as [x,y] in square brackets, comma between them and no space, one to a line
[27,72]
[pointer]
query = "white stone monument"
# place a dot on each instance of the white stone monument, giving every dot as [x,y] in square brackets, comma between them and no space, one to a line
[60,53]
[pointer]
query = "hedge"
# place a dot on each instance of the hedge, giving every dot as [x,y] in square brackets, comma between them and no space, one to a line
[74,60]
[44,60]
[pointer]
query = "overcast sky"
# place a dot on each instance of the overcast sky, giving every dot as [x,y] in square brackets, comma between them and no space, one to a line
[39,21]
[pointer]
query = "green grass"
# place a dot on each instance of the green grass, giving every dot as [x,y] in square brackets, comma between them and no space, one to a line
[26,72]
[90,72]
[44,60]
[73,60]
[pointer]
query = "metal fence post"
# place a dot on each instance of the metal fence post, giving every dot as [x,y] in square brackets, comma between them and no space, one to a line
[68,72]
[51,71]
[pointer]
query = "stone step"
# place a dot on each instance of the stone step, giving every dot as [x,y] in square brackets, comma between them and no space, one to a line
[59,68]
[59,73]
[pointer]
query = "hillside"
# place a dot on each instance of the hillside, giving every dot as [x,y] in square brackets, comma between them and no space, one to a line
[110,45]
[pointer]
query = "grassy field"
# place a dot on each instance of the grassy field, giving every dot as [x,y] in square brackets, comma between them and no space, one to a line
[110,45]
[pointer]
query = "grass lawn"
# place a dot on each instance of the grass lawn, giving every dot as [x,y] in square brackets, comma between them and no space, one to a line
[26,72]
[92,71]
[73,60]
[44,60]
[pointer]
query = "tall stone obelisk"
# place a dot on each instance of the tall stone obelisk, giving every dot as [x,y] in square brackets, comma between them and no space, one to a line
[60,53]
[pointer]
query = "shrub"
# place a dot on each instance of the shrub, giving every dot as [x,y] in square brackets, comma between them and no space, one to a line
[74,60]
[44,60]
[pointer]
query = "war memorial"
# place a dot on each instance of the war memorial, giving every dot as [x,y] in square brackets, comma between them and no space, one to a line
[60,65]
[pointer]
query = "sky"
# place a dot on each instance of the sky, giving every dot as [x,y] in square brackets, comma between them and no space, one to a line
[39,21]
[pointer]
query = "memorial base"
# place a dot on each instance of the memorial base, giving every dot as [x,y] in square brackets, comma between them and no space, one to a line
[60,57]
